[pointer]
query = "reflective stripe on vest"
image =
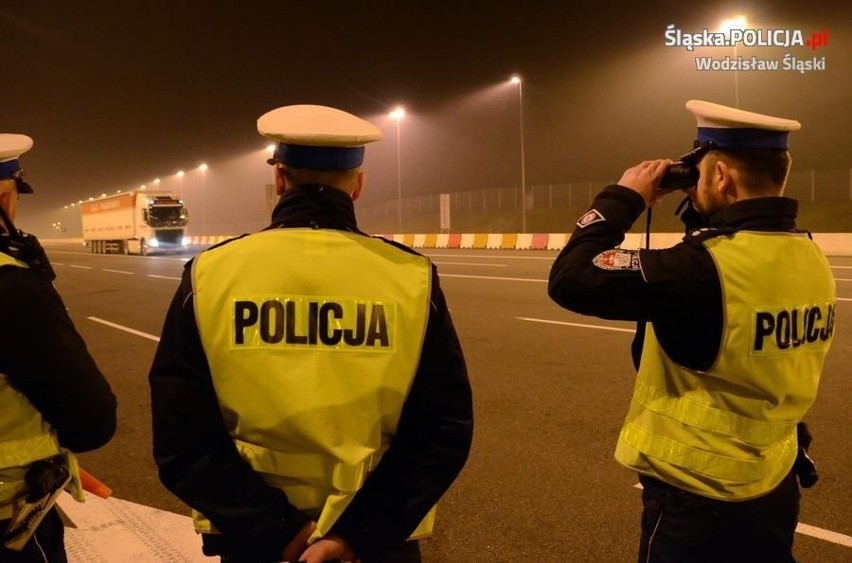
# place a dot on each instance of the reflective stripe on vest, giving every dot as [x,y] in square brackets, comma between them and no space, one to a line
[25,436]
[313,338]
[730,433]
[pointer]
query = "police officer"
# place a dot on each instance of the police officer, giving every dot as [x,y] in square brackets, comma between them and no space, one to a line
[738,318]
[310,397]
[53,398]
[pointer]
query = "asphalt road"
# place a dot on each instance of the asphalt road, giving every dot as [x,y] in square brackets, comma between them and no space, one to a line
[550,387]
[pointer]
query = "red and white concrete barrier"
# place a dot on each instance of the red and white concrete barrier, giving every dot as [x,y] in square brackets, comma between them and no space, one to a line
[833,244]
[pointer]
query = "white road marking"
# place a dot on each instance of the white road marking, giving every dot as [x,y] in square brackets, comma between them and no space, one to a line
[117,271]
[826,535]
[805,529]
[125,329]
[468,264]
[81,267]
[491,278]
[598,327]
[163,277]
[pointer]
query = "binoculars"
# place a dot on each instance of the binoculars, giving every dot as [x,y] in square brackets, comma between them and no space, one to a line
[683,174]
[680,176]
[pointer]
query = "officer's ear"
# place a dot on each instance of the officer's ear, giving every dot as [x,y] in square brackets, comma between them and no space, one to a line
[726,180]
[280,181]
[359,185]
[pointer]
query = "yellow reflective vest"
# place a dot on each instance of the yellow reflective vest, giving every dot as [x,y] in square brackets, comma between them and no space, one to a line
[730,433]
[25,437]
[313,338]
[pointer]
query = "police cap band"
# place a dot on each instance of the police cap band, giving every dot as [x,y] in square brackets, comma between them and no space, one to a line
[317,137]
[12,146]
[732,128]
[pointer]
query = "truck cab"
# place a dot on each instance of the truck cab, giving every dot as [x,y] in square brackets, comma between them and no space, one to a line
[162,222]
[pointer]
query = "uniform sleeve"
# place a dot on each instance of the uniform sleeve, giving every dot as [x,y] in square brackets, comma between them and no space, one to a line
[677,289]
[591,276]
[197,459]
[431,446]
[45,359]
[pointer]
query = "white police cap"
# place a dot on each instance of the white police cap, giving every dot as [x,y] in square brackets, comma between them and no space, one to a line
[317,137]
[731,128]
[13,145]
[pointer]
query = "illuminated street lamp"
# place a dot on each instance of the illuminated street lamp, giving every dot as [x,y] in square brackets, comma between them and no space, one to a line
[516,79]
[728,25]
[203,168]
[398,113]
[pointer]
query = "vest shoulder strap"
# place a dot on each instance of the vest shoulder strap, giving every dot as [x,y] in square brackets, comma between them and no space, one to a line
[6,260]
[699,236]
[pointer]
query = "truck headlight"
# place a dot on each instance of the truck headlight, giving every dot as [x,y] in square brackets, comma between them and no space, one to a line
[185,241]
[153,243]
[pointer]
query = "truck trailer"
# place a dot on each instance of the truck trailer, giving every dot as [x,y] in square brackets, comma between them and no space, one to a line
[135,222]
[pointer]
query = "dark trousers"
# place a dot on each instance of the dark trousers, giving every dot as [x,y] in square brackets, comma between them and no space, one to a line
[678,526]
[46,546]
[407,552]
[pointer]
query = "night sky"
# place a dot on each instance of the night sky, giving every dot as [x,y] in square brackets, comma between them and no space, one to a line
[116,94]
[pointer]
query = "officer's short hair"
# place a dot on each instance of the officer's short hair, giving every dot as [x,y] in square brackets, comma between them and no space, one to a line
[762,171]
[341,179]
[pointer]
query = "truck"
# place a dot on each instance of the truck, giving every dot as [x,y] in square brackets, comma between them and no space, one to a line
[135,222]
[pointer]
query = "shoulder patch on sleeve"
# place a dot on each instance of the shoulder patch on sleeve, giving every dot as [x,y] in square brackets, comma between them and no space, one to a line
[590,218]
[617,259]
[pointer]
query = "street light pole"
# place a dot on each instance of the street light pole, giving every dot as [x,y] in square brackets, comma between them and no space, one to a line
[203,168]
[727,26]
[398,114]
[517,80]
[736,82]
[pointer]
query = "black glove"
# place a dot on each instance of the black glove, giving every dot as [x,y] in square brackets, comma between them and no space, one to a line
[804,466]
